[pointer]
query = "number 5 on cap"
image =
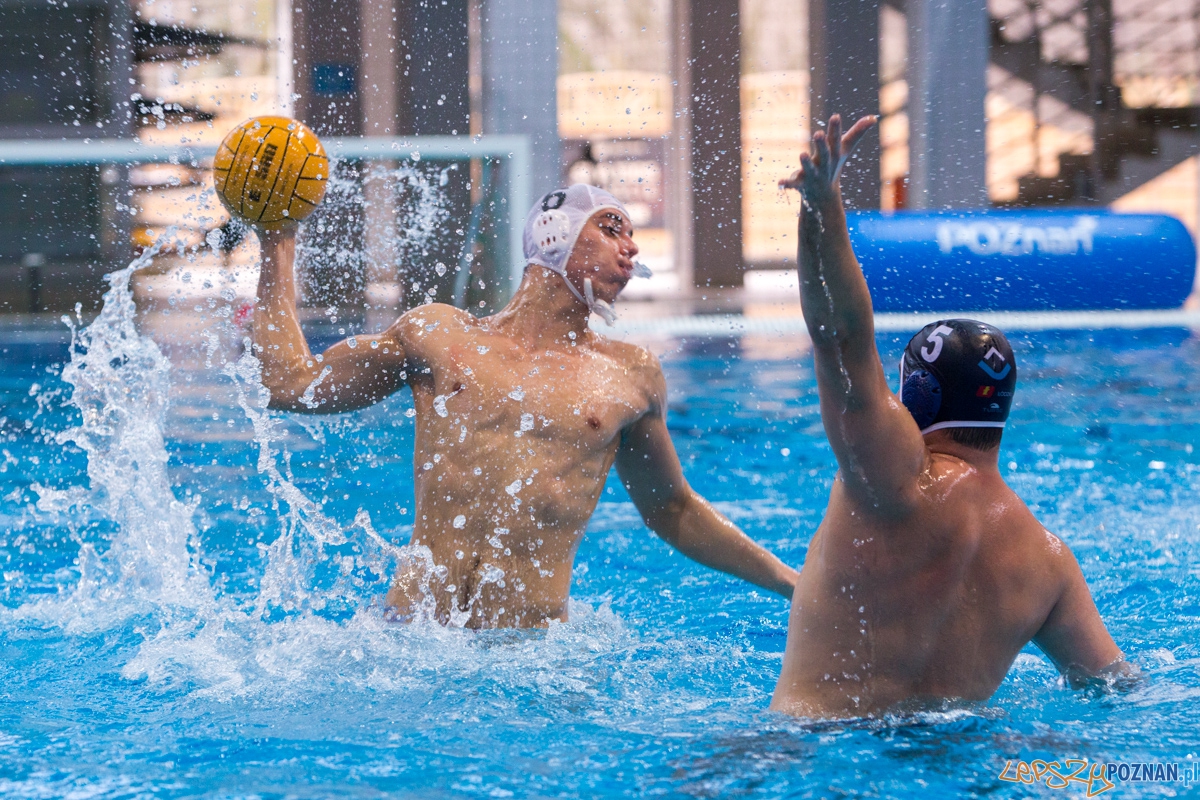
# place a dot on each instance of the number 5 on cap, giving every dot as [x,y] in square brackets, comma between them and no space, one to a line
[937,340]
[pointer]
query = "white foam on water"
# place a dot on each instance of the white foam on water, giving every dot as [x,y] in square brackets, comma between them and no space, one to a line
[302,655]
[49,785]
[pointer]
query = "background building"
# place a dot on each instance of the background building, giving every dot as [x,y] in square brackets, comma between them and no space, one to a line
[65,74]
[690,112]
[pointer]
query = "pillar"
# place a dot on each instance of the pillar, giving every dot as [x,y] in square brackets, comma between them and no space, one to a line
[679,165]
[436,66]
[519,43]
[713,41]
[379,92]
[520,81]
[327,55]
[436,35]
[947,84]
[844,64]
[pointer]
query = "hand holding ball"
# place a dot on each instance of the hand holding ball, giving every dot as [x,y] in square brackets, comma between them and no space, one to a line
[271,170]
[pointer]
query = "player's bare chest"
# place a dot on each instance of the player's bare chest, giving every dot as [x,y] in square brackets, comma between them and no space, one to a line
[586,397]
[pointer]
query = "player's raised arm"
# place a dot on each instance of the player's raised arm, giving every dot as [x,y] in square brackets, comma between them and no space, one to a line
[353,373]
[650,470]
[878,446]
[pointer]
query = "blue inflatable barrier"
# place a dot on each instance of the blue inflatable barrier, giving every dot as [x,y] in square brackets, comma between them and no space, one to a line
[1023,260]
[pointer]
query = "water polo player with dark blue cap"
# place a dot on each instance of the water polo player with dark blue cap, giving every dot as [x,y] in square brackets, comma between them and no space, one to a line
[959,374]
[928,575]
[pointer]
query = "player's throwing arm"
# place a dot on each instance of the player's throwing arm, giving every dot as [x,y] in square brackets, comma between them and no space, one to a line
[271,173]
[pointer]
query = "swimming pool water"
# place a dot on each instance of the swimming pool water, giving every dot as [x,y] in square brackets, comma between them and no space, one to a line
[244,654]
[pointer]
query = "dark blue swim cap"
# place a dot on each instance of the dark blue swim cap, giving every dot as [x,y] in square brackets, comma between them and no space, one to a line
[958,373]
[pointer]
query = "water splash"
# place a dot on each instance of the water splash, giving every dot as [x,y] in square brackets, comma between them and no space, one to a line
[120,384]
[308,536]
[399,214]
[151,570]
[315,615]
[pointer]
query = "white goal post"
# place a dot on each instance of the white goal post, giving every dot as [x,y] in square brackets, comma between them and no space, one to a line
[514,150]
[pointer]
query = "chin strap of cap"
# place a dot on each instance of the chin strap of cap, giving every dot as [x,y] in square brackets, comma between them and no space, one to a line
[601,308]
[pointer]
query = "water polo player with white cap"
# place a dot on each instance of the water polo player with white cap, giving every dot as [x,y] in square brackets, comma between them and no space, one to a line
[553,227]
[520,416]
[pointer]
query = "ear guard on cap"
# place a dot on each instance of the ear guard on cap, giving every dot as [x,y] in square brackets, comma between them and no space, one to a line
[552,232]
[921,394]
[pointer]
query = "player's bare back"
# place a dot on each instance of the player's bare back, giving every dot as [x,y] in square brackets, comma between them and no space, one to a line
[928,574]
[934,604]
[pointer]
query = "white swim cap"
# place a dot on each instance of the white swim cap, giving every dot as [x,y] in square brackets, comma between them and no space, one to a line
[553,226]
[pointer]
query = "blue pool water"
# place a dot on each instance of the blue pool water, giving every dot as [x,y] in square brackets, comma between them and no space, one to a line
[191,588]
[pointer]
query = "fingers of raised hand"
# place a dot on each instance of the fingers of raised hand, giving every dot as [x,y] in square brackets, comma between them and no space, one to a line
[829,149]
[834,137]
[820,150]
[793,181]
[856,132]
[808,166]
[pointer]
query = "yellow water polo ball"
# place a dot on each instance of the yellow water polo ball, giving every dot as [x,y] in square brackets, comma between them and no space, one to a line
[269,170]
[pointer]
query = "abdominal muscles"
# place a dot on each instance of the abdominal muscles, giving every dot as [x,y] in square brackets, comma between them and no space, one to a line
[502,503]
[472,584]
[501,552]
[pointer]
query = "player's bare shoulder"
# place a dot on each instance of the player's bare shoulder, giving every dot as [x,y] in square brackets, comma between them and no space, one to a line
[427,329]
[945,476]
[639,364]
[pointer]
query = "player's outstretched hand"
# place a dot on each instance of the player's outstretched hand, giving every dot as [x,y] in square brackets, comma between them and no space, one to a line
[817,178]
